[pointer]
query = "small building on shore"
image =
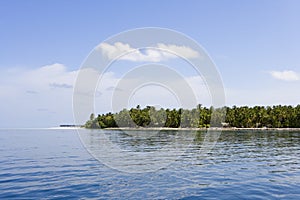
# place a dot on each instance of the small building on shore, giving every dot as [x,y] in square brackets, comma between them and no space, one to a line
[225,125]
[69,126]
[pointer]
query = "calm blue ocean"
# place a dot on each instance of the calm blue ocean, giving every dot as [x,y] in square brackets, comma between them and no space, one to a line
[53,164]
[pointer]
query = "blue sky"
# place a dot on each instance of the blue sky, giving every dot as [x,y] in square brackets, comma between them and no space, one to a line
[255,45]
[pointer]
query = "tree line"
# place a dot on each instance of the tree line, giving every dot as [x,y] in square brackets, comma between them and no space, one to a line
[200,117]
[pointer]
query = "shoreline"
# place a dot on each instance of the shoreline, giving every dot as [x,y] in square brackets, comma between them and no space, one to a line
[202,129]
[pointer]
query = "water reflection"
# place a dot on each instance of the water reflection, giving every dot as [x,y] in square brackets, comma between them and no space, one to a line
[137,151]
[261,138]
[147,141]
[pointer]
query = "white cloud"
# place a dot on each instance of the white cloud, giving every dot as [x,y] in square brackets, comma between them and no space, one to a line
[38,80]
[24,92]
[158,53]
[111,51]
[183,51]
[287,75]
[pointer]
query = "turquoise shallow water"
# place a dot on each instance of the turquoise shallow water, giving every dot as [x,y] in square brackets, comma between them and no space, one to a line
[53,164]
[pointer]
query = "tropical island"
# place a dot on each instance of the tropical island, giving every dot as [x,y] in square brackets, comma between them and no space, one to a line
[276,116]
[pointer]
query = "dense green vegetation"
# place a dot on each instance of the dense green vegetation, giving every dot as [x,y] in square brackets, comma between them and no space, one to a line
[201,117]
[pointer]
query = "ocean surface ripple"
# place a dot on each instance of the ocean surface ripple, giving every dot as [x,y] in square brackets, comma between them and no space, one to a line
[53,164]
